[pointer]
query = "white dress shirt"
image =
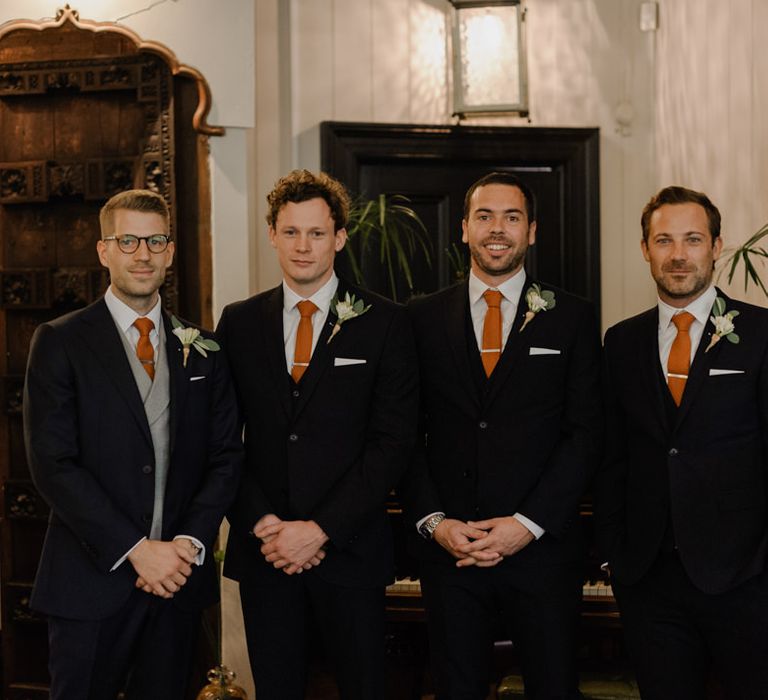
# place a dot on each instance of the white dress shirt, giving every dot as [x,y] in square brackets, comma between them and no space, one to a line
[700,308]
[510,290]
[124,316]
[291,316]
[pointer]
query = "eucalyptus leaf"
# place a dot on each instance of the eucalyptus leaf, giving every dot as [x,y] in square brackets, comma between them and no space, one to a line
[733,338]
[209,344]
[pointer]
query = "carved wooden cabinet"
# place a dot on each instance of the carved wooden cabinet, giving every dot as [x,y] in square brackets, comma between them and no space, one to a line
[86,110]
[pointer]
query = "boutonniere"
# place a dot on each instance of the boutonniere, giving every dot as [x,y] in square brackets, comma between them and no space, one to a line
[723,321]
[191,338]
[538,300]
[346,310]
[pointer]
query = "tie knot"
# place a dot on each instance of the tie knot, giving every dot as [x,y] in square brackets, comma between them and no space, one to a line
[492,298]
[683,321]
[306,308]
[144,325]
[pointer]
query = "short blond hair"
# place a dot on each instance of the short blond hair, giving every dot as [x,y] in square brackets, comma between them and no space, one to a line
[132,200]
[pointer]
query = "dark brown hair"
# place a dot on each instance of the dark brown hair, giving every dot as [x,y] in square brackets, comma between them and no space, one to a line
[680,195]
[500,178]
[301,186]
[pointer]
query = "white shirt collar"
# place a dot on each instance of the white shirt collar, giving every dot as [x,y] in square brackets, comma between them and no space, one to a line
[124,315]
[321,298]
[510,290]
[699,307]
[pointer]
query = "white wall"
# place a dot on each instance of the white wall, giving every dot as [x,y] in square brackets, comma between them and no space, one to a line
[711,106]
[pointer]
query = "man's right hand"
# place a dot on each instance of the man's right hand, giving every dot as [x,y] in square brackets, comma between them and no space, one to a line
[162,567]
[452,534]
[266,534]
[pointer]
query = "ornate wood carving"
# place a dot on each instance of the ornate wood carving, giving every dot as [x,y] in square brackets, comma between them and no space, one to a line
[23,502]
[12,390]
[12,81]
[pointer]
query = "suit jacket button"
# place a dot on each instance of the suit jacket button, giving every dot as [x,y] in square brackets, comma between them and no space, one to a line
[482,425]
[147,469]
[467,474]
[295,393]
[673,452]
[293,437]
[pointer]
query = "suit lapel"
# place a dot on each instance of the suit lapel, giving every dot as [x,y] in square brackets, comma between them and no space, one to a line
[652,375]
[102,337]
[178,376]
[321,356]
[699,370]
[512,347]
[456,311]
[275,346]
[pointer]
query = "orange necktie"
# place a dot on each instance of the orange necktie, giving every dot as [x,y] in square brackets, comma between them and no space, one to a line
[144,350]
[303,351]
[491,350]
[680,356]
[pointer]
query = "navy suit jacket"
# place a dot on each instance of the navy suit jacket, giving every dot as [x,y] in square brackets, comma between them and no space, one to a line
[91,457]
[332,447]
[705,466]
[525,440]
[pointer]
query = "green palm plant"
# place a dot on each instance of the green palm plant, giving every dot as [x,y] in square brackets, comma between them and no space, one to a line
[744,254]
[388,224]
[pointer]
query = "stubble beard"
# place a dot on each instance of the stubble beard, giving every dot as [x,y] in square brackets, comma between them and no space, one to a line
[507,265]
[696,284]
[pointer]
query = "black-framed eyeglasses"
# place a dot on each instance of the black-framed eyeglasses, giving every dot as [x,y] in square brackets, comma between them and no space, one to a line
[127,243]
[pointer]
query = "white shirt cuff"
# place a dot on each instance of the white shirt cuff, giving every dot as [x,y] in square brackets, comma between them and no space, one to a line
[536,531]
[200,558]
[125,556]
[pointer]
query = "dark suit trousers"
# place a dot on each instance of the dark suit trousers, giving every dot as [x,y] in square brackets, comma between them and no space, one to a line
[277,622]
[677,635]
[538,610]
[147,646]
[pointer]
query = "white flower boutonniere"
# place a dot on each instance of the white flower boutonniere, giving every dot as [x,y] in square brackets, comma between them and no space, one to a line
[723,321]
[346,310]
[191,338]
[538,300]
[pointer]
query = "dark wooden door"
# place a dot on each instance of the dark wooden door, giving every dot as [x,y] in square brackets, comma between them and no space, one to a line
[434,166]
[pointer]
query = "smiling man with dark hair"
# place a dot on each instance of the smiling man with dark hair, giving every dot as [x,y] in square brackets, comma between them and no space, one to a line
[682,497]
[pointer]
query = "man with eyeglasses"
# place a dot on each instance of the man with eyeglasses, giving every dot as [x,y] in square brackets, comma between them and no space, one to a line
[132,439]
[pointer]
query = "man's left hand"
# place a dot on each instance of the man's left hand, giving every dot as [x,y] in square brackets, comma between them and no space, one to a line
[506,535]
[293,545]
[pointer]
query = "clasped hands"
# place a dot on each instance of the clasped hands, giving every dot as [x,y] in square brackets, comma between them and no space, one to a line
[482,543]
[291,545]
[163,567]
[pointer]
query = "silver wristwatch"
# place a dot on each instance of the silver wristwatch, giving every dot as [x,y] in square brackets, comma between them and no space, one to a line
[428,527]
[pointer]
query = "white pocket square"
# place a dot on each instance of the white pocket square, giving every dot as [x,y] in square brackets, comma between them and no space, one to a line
[543,351]
[718,372]
[196,379]
[344,361]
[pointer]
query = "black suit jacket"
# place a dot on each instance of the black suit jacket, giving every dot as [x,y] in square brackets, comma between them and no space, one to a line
[328,449]
[91,457]
[526,440]
[705,466]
